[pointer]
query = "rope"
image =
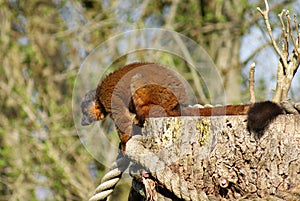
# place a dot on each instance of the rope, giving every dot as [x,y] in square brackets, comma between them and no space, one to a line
[142,183]
[111,178]
[171,181]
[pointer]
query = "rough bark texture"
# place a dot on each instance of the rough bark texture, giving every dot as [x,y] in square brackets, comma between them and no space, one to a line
[216,157]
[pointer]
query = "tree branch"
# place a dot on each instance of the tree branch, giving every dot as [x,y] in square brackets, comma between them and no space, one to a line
[285,47]
[297,34]
[288,65]
[265,15]
[251,83]
[289,25]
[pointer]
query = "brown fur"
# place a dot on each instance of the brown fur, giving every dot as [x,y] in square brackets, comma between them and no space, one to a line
[260,115]
[113,94]
[217,111]
[154,101]
[118,83]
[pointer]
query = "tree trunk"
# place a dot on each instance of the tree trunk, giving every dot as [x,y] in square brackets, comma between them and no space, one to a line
[194,158]
[223,44]
[226,57]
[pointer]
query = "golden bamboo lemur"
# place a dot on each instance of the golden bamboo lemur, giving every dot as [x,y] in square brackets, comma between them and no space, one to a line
[156,92]
[113,95]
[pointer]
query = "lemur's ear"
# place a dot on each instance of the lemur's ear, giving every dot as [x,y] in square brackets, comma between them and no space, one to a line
[260,115]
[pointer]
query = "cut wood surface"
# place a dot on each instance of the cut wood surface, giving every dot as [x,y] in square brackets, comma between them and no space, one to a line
[196,158]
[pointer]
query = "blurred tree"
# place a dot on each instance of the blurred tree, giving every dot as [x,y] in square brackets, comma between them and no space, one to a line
[41,155]
[42,45]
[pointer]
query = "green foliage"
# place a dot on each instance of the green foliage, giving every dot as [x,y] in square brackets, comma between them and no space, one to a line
[4,153]
[37,134]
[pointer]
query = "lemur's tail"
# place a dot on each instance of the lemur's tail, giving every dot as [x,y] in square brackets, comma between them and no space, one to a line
[260,115]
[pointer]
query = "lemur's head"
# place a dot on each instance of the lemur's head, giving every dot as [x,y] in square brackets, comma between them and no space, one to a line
[91,109]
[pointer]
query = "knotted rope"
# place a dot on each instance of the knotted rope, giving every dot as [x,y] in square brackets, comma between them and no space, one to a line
[111,178]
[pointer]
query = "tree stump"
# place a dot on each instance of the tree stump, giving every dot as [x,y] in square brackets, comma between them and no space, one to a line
[212,158]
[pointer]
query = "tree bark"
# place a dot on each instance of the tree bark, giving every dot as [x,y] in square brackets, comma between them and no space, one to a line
[194,158]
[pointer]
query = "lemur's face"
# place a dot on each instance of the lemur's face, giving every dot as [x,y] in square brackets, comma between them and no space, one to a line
[91,111]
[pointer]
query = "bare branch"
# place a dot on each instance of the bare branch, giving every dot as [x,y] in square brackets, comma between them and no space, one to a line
[284,32]
[251,83]
[274,7]
[288,64]
[267,6]
[297,47]
[268,26]
[289,24]
[279,84]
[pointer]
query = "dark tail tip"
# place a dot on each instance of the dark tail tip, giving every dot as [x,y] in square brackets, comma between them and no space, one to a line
[260,115]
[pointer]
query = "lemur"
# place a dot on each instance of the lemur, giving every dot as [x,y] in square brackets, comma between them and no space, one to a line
[152,90]
[113,96]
